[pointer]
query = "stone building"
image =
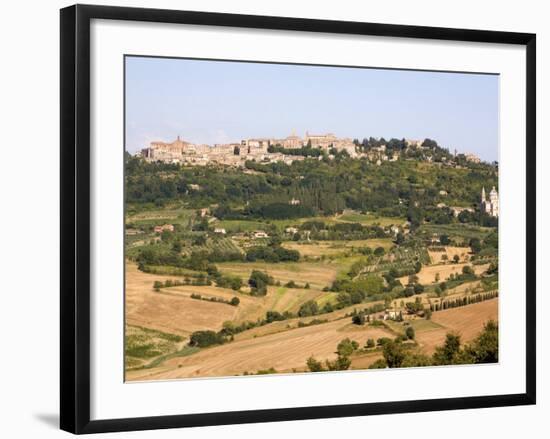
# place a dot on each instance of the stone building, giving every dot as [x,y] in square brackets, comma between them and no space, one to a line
[169,152]
[323,141]
[472,158]
[489,205]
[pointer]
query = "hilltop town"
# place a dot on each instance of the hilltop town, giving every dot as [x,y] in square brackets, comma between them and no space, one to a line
[294,148]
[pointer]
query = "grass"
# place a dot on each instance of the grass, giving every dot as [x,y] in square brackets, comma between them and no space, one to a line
[169,270]
[158,216]
[424,325]
[317,274]
[144,343]
[368,219]
[456,230]
[336,248]
[279,293]
[417,324]
[236,226]
[159,334]
[147,348]
[327,298]
[184,352]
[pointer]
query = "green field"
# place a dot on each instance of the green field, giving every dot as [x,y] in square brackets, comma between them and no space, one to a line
[238,226]
[368,219]
[180,216]
[456,230]
[143,344]
[417,324]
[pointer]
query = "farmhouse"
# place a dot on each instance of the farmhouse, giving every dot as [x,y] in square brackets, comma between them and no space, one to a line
[391,314]
[165,227]
[472,158]
[457,210]
[260,234]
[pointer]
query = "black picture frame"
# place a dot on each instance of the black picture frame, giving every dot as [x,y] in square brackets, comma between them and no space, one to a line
[75,217]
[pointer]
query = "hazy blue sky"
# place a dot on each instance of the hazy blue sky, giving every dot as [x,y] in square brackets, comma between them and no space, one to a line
[216,102]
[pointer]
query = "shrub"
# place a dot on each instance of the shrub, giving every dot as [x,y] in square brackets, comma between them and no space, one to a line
[379,364]
[346,347]
[428,314]
[313,365]
[309,308]
[274,253]
[383,341]
[273,316]
[467,270]
[258,283]
[203,339]
[227,281]
[394,354]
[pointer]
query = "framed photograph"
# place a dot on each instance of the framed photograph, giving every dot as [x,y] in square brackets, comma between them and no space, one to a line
[273,218]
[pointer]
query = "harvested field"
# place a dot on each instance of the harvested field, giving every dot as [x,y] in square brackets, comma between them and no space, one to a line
[318,275]
[168,312]
[289,299]
[249,308]
[461,252]
[468,321]
[320,248]
[283,351]
[173,310]
[386,243]
[464,288]
[365,360]
[428,273]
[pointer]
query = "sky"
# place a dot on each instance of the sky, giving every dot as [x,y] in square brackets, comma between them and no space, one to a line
[220,102]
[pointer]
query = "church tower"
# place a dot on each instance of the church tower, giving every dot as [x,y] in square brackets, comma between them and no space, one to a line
[493,199]
[489,205]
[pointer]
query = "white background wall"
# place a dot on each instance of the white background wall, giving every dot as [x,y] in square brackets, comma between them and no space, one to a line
[29,187]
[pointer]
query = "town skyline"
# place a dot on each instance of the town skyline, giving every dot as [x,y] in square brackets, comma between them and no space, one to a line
[216,102]
[290,134]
